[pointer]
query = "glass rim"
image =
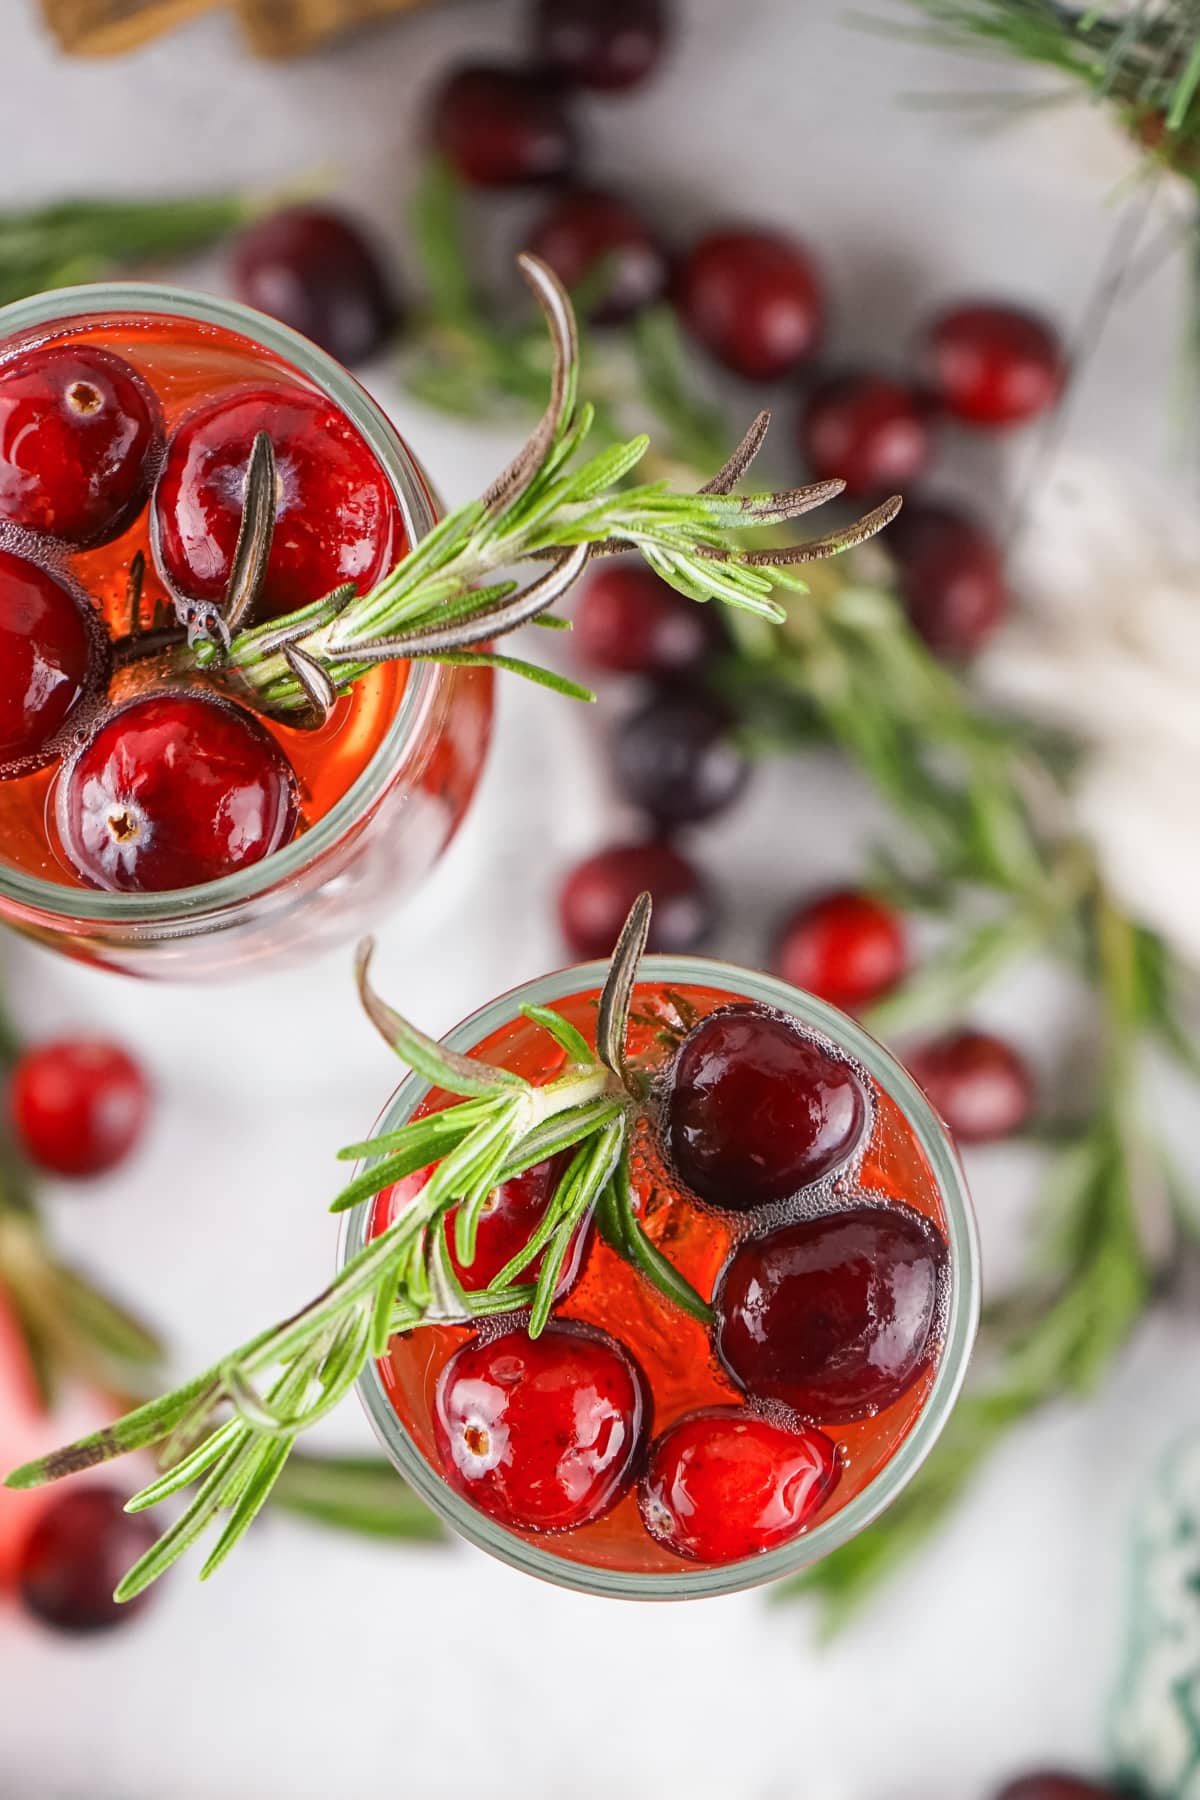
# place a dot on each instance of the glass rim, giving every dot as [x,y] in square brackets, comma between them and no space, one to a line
[962,1312]
[212,898]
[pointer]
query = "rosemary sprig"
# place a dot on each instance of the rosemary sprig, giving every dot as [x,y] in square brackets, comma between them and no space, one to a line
[85,240]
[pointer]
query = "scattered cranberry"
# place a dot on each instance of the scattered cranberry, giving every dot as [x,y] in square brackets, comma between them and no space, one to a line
[589,233]
[80,1546]
[756,1111]
[867,430]
[979,1084]
[175,790]
[951,577]
[754,300]
[676,760]
[607,44]
[79,432]
[845,947]
[995,365]
[1053,1784]
[78,1105]
[631,622]
[336,520]
[541,1433]
[52,654]
[503,127]
[314,270]
[834,1315]
[597,895]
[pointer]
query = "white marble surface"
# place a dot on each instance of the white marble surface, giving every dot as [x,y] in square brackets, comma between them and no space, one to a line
[317,1665]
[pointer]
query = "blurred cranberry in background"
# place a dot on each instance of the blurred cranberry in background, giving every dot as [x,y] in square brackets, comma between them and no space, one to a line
[630,622]
[503,127]
[606,44]
[994,366]
[951,577]
[1052,1784]
[845,947]
[978,1083]
[753,299]
[868,430]
[597,895]
[588,232]
[676,759]
[79,1547]
[314,270]
[78,1105]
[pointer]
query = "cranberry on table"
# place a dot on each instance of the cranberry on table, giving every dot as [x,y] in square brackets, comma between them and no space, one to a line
[175,790]
[606,44]
[951,577]
[587,231]
[834,1316]
[845,947]
[313,269]
[1055,1784]
[53,653]
[754,299]
[994,366]
[676,760]
[542,1434]
[629,621]
[78,1105]
[756,1111]
[79,1548]
[979,1084]
[503,127]
[868,430]
[595,899]
[79,430]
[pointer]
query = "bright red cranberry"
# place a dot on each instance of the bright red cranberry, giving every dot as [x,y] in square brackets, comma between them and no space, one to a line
[53,654]
[314,269]
[510,1216]
[867,430]
[541,1433]
[951,577]
[834,1315]
[1054,1784]
[608,44]
[978,1083]
[756,1111]
[995,365]
[675,759]
[78,1105]
[79,433]
[596,897]
[175,790]
[503,127]
[844,947]
[80,1546]
[586,233]
[336,520]
[754,300]
[725,1484]
[631,622]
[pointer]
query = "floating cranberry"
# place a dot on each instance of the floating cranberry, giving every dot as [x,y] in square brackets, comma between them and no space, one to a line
[79,434]
[503,127]
[834,1316]
[845,947]
[175,790]
[978,1083]
[725,1484]
[313,269]
[756,1111]
[53,653]
[336,519]
[754,300]
[951,577]
[675,759]
[598,893]
[511,1214]
[78,1105]
[608,44]
[541,1433]
[993,366]
[631,622]
[586,233]
[1054,1784]
[867,430]
[79,1548]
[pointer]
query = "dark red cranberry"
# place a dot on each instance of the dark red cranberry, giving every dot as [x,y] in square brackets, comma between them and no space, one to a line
[979,1084]
[175,790]
[835,1315]
[79,433]
[53,653]
[995,365]
[608,44]
[845,947]
[596,897]
[725,1484]
[336,520]
[754,300]
[675,759]
[756,1111]
[503,127]
[588,233]
[867,430]
[951,576]
[631,622]
[78,1105]
[511,1214]
[541,1433]
[314,269]
[80,1546]
[1054,1784]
